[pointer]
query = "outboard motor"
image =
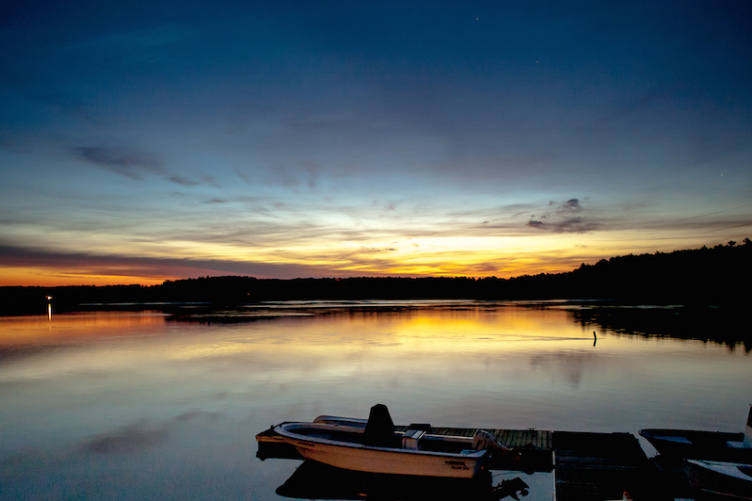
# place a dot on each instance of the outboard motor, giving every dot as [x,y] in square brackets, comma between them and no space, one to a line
[380,427]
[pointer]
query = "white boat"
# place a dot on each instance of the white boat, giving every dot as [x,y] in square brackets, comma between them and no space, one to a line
[720,478]
[700,444]
[373,446]
[335,446]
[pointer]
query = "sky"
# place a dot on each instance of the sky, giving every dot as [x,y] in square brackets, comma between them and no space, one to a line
[151,141]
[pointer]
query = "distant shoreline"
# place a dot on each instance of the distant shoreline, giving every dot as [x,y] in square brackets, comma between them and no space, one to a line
[721,275]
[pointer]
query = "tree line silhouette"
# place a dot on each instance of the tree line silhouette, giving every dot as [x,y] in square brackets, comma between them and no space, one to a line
[718,275]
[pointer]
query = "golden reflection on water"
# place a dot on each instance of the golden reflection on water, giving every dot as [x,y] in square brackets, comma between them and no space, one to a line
[498,332]
[82,387]
[39,331]
[343,337]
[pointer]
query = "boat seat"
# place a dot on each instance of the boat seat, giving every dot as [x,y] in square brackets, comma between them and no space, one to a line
[410,439]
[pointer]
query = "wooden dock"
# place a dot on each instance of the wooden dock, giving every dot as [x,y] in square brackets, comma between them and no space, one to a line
[586,466]
[535,445]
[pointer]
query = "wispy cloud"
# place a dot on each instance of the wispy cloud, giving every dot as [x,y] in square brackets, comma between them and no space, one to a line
[560,217]
[80,267]
[134,164]
[571,225]
[183,181]
[130,163]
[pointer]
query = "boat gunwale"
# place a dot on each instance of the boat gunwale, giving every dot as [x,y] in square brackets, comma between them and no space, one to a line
[728,468]
[658,433]
[282,430]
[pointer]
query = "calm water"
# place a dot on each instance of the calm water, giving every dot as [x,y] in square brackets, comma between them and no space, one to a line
[124,405]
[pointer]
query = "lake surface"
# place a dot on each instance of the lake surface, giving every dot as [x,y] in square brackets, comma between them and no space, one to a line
[135,405]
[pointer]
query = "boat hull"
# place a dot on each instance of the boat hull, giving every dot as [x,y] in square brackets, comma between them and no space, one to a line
[696,444]
[725,479]
[355,456]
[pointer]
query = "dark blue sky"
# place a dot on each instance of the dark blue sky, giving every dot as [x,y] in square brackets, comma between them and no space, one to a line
[149,140]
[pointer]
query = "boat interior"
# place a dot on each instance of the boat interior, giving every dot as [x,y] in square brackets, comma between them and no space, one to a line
[379,431]
[412,439]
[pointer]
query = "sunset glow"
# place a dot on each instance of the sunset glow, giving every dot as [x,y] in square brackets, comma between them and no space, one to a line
[305,140]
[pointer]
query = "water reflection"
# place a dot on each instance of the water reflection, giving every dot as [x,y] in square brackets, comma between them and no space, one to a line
[726,325]
[315,481]
[135,405]
[40,331]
